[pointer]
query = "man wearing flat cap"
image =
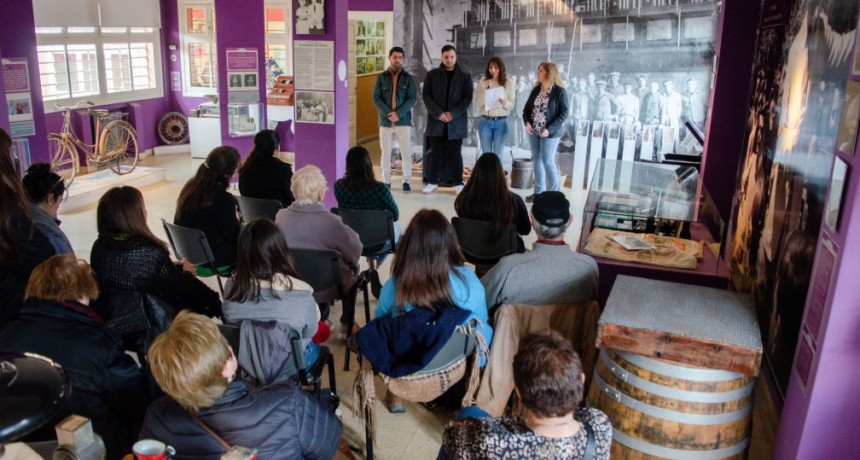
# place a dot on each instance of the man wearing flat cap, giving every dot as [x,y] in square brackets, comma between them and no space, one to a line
[551,273]
[605,103]
[615,87]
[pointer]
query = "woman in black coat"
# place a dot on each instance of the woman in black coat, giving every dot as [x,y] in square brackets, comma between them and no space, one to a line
[57,322]
[543,117]
[128,257]
[262,175]
[205,204]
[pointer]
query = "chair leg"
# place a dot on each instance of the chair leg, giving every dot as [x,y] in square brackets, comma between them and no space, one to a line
[331,381]
[220,286]
[367,439]
[352,297]
[366,301]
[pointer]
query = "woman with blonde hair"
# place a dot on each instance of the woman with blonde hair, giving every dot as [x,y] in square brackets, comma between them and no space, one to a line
[307,224]
[57,321]
[207,409]
[543,115]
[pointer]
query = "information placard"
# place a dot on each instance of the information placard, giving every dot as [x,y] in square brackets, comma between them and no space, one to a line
[314,65]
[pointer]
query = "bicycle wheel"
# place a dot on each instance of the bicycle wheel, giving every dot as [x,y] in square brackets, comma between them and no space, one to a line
[118,147]
[64,157]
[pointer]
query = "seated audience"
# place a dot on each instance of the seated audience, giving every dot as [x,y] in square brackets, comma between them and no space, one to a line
[359,189]
[428,273]
[56,321]
[549,383]
[266,287]
[263,175]
[22,244]
[551,273]
[486,197]
[127,256]
[307,224]
[205,204]
[46,190]
[280,421]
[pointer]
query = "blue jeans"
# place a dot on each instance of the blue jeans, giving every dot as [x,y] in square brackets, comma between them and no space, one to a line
[466,412]
[494,135]
[543,158]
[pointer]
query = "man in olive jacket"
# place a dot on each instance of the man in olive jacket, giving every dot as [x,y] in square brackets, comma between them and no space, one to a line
[447,94]
[394,95]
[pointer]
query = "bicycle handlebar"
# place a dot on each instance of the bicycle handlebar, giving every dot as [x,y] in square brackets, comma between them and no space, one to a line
[79,105]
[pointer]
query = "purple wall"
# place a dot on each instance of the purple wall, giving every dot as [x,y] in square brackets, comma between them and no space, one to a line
[322,145]
[823,423]
[18,39]
[727,122]
[170,37]
[4,114]
[371,5]
[231,14]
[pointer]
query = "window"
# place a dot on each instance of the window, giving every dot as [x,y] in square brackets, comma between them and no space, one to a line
[103,65]
[199,56]
[279,40]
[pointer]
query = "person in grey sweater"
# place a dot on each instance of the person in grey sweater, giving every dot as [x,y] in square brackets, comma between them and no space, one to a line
[307,224]
[551,273]
[266,288]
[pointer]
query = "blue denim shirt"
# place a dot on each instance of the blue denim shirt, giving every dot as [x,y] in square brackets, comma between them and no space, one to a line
[406,97]
[50,227]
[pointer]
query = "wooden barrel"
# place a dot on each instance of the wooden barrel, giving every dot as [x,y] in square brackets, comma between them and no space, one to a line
[661,409]
[521,173]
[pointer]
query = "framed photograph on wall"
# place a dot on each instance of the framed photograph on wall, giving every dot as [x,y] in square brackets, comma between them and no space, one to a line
[310,17]
[315,107]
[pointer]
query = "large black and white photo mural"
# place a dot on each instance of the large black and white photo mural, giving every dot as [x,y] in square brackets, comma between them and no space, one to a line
[632,68]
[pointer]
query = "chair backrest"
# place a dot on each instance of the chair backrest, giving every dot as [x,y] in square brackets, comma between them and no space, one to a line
[320,269]
[374,228]
[231,333]
[460,344]
[189,244]
[296,362]
[255,208]
[472,236]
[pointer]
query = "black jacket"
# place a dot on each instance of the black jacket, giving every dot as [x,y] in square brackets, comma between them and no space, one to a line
[107,385]
[280,421]
[267,178]
[556,110]
[139,265]
[33,248]
[220,224]
[459,100]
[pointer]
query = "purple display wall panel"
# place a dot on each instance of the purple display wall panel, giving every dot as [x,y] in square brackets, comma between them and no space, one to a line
[371,5]
[4,114]
[325,145]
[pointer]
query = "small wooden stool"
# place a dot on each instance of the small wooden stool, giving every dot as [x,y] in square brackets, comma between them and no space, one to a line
[677,370]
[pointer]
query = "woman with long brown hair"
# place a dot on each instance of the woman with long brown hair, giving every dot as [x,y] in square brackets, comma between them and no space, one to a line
[205,204]
[428,273]
[263,175]
[493,125]
[486,197]
[127,256]
[22,245]
[266,286]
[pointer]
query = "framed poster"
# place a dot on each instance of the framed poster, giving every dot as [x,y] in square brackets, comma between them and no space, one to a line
[310,17]
[315,107]
[370,47]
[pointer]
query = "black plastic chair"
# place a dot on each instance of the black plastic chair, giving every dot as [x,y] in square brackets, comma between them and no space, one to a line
[321,269]
[191,244]
[461,344]
[376,231]
[256,208]
[295,366]
[477,247]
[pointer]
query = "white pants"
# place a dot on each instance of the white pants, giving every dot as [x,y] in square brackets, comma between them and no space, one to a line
[404,140]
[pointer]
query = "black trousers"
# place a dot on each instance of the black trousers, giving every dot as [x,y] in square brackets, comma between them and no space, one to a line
[446,161]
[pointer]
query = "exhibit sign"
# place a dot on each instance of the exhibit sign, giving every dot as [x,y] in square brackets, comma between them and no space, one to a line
[314,65]
[243,72]
[19,102]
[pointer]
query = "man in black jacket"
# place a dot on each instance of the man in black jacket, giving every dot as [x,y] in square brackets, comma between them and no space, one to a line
[447,94]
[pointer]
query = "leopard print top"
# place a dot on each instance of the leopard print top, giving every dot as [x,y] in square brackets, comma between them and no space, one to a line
[510,438]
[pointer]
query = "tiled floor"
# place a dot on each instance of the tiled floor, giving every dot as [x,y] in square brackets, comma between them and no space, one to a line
[415,434]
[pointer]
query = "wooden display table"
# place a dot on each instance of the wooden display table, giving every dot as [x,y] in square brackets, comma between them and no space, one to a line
[676,370]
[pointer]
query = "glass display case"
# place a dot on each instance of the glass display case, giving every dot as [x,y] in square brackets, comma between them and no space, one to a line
[652,214]
[204,127]
[244,118]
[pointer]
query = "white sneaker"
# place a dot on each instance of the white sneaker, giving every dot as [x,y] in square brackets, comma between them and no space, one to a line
[429,188]
[458,189]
